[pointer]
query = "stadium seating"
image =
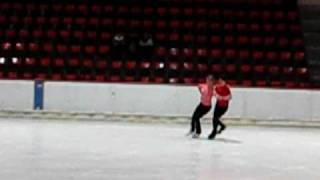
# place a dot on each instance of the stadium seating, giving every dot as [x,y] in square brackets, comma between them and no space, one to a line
[255,43]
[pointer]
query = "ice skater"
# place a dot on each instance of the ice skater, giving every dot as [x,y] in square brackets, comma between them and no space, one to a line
[206,92]
[223,95]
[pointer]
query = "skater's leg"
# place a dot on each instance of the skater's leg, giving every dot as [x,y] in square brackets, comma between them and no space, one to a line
[199,112]
[215,121]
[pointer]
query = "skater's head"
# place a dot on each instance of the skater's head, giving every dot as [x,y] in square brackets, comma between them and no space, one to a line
[221,78]
[210,80]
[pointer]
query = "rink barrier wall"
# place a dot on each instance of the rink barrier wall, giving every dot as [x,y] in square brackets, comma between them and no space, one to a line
[90,99]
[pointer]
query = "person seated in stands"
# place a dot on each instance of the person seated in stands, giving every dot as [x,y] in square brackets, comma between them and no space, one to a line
[119,46]
[146,46]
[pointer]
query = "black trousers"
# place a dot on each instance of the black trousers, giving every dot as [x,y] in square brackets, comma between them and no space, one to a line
[219,111]
[200,111]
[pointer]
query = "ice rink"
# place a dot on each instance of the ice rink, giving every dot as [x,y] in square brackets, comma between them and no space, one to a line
[92,150]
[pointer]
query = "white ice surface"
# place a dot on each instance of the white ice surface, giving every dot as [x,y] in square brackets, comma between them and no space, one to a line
[92,150]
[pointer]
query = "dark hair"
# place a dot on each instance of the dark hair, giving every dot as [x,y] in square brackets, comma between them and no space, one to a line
[220,76]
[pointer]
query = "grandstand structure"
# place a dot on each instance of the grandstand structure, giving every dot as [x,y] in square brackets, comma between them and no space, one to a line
[255,43]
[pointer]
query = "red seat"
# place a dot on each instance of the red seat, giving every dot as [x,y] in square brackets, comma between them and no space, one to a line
[272,56]
[48,47]
[33,47]
[175,24]
[73,62]
[242,40]
[161,11]
[94,21]
[104,49]
[274,70]
[20,46]
[45,61]
[161,24]
[123,9]
[201,12]
[241,27]
[188,66]
[285,56]
[229,40]
[90,49]
[269,41]
[92,35]
[188,11]
[245,68]
[161,51]
[71,77]
[229,27]
[215,40]
[59,62]
[276,83]
[145,65]
[121,23]
[116,64]
[147,24]
[216,53]
[202,39]
[52,34]
[267,27]
[299,56]
[259,69]
[65,34]
[174,52]
[255,27]
[283,42]
[256,41]
[201,52]
[261,83]
[105,36]
[257,55]
[62,48]
[230,54]
[54,20]
[100,78]
[297,43]
[67,21]
[174,37]
[188,24]
[160,37]
[75,49]
[231,68]
[216,26]
[27,75]
[201,25]
[188,52]
[11,33]
[101,64]
[188,38]
[292,15]
[87,63]
[148,11]
[244,54]
[131,65]
[188,80]
[30,61]
[203,68]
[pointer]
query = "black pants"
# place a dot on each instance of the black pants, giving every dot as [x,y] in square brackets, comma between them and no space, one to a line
[219,111]
[200,111]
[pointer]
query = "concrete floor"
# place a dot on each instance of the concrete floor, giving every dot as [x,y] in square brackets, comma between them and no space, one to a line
[92,150]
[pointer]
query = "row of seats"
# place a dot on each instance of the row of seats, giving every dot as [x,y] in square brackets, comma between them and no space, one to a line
[258,44]
[158,67]
[245,55]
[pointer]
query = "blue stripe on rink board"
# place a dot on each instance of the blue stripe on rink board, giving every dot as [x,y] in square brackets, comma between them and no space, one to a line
[38,95]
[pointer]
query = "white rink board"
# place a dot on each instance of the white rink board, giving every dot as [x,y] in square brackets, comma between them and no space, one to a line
[16,95]
[166,100]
